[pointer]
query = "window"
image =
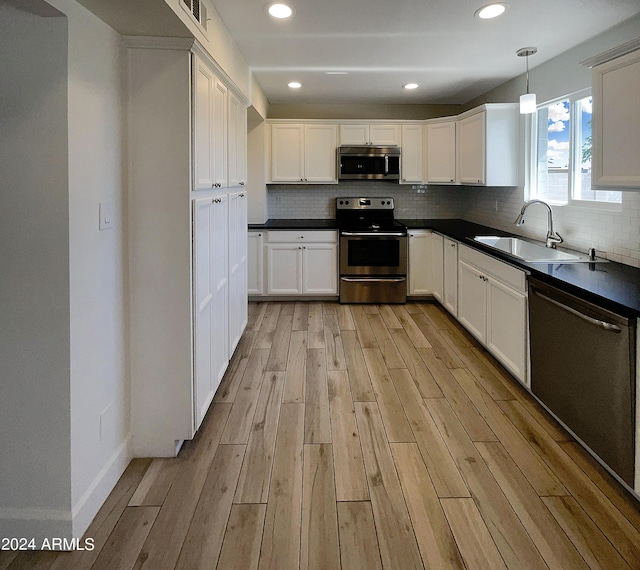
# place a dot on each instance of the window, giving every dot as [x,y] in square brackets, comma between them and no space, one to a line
[561,171]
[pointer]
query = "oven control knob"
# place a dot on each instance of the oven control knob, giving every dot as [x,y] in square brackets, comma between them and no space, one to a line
[341,202]
[347,202]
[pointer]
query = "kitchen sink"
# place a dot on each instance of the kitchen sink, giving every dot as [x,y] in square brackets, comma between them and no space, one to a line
[532,252]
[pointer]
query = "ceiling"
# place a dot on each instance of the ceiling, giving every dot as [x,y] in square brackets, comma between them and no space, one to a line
[383,44]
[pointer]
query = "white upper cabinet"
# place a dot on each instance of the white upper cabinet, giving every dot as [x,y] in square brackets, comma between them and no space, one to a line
[303,153]
[487,145]
[479,147]
[616,123]
[220,132]
[210,128]
[471,149]
[412,139]
[320,159]
[237,143]
[374,134]
[441,152]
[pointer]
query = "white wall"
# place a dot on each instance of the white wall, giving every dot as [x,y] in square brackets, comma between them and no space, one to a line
[34,276]
[97,261]
[64,409]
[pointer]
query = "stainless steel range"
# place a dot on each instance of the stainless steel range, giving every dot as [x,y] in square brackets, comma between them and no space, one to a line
[373,251]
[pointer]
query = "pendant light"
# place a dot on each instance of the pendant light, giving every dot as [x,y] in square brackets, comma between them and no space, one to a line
[528,100]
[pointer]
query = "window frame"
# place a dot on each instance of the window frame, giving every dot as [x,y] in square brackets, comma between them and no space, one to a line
[574,150]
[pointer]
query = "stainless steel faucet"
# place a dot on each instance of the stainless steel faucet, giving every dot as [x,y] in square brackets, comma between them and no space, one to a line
[553,238]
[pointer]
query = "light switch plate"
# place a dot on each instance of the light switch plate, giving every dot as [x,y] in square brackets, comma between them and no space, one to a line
[106,216]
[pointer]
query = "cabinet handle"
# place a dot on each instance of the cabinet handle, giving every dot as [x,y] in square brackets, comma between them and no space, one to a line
[299,247]
[452,245]
[241,183]
[241,196]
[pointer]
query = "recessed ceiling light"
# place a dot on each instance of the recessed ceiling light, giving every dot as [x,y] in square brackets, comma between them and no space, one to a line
[294,85]
[279,10]
[491,10]
[410,86]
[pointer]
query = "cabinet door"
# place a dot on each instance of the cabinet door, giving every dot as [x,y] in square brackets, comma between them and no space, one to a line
[204,83]
[255,271]
[320,269]
[237,268]
[284,269]
[203,308]
[287,153]
[472,300]
[385,134]
[354,134]
[450,294]
[411,154]
[237,142]
[471,149]
[437,266]
[441,153]
[210,300]
[507,327]
[219,134]
[616,123]
[420,263]
[320,143]
[220,265]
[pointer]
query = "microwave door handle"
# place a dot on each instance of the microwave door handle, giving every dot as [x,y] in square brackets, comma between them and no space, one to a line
[386,164]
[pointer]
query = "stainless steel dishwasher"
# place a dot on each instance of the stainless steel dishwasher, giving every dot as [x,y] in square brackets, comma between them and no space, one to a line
[583,371]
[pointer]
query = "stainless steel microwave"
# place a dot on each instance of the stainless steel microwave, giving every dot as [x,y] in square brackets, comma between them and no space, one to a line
[369,162]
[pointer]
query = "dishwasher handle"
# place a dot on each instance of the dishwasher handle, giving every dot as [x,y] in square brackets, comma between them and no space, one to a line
[602,324]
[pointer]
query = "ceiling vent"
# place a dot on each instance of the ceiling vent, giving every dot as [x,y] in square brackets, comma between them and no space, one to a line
[198,11]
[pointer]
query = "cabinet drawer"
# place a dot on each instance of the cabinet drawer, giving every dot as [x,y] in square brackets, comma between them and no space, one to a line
[512,276]
[304,236]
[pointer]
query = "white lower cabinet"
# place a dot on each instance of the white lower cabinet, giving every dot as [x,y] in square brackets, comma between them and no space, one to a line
[450,276]
[421,280]
[302,263]
[437,266]
[238,264]
[255,263]
[493,307]
[211,306]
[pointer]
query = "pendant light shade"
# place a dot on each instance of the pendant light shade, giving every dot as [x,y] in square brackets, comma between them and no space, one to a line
[527,103]
[528,100]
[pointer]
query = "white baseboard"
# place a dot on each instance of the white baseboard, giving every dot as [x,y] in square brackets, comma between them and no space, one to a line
[85,510]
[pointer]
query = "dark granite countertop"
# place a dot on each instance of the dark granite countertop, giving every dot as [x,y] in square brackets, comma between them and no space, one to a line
[614,286]
[286,224]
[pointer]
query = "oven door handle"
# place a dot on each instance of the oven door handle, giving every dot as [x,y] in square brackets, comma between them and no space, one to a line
[372,234]
[373,279]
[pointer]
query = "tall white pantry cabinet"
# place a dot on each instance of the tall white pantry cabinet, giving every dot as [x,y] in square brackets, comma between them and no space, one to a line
[187,226]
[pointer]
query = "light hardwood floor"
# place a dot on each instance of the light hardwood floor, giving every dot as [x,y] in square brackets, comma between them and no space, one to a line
[363,437]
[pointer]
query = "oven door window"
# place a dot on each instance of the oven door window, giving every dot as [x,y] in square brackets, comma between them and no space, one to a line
[374,253]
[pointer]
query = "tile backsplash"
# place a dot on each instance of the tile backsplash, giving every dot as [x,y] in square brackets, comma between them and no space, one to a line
[308,201]
[614,233]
